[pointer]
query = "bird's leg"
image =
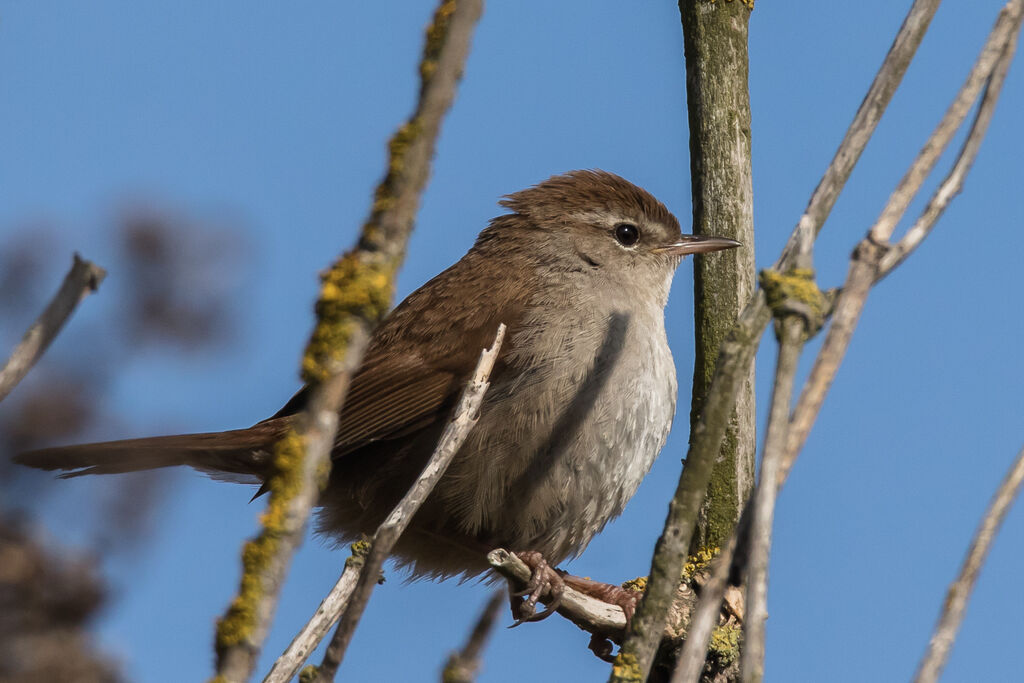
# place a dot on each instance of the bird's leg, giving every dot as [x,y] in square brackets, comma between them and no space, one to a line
[544,580]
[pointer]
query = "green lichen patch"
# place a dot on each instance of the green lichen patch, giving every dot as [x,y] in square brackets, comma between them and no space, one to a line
[795,292]
[725,643]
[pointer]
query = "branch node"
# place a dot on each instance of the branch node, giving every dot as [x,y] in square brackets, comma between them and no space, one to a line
[794,293]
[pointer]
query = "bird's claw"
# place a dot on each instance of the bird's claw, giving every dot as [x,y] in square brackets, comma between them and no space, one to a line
[544,580]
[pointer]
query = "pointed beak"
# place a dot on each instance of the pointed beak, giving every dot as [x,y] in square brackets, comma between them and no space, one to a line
[697,244]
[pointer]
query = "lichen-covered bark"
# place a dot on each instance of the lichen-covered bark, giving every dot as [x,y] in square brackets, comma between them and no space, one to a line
[718,104]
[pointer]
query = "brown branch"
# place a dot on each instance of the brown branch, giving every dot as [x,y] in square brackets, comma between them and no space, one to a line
[959,591]
[463,665]
[355,295]
[737,353]
[83,279]
[466,414]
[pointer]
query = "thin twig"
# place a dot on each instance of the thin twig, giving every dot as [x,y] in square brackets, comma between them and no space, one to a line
[737,352]
[762,501]
[467,412]
[462,666]
[83,279]
[870,255]
[344,325]
[959,591]
[326,616]
[953,182]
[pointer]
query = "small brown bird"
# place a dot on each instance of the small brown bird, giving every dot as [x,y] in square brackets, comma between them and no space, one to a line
[581,398]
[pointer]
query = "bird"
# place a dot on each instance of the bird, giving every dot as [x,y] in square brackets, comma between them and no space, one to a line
[581,398]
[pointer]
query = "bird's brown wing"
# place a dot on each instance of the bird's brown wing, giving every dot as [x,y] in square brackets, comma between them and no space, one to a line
[406,385]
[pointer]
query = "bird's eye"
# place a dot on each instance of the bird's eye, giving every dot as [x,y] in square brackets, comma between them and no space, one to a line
[627,234]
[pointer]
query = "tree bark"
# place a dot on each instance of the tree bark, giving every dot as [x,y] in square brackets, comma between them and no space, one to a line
[718,105]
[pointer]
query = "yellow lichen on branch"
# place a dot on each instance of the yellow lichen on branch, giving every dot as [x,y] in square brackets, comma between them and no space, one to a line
[356,290]
[236,627]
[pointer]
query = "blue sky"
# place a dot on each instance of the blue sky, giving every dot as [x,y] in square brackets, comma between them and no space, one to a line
[277,114]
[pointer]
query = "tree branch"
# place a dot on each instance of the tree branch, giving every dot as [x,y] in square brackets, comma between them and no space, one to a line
[718,107]
[467,412]
[306,641]
[959,592]
[83,279]
[870,261]
[355,295]
[738,350]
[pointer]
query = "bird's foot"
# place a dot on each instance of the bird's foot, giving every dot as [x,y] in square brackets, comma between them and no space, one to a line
[544,580]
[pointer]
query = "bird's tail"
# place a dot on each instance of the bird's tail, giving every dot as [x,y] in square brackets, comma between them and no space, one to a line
[239,455]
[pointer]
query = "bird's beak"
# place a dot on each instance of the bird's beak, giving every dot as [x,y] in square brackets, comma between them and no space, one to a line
[697,244]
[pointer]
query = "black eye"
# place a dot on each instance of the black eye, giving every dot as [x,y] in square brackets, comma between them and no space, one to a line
[627,234]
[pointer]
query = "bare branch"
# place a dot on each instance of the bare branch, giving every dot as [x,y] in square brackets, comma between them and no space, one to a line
[762,501]
[865,268]
[467,412]
[344,324]
[738,350]
[954,181]
[959,591]
[83,279]
[326,615]
[463,665]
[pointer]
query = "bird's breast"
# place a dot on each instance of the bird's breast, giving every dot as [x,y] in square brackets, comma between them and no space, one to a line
[566,438]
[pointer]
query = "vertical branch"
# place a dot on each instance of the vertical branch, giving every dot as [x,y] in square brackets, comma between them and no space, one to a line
[83,279]
[718,105]
[355,294]
[737,351]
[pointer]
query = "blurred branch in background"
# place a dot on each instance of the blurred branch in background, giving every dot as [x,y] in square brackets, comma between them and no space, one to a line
[47,600]
[171,290]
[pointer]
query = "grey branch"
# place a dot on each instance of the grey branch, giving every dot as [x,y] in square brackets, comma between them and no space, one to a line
[83,278]
[871,254]
[960,590]
[741,343]
[467,412]
[763,500]
[462,666]
[326,615]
